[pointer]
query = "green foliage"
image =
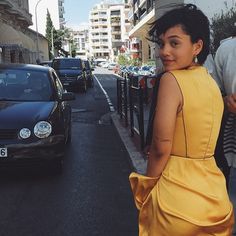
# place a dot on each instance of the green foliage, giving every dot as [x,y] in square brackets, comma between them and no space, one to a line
[123,59]
[135,62]
[223,26]
[49,27]
[58,37]
[151,63]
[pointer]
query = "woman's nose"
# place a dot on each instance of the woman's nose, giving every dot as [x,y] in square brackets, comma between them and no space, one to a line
[165,50]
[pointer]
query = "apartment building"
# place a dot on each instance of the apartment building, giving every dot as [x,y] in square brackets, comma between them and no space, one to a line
[99,33]
[61,11]
[16,41]
[109,29]
[144,12]
[141,15]
[81,42]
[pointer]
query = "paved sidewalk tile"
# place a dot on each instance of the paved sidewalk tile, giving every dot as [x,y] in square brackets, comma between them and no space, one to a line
[137,158]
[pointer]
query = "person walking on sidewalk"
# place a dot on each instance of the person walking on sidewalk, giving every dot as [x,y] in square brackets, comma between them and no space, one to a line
[183,191]
[225,76]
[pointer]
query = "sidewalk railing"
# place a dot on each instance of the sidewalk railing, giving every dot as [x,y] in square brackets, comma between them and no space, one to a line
[133,95]
[122,102]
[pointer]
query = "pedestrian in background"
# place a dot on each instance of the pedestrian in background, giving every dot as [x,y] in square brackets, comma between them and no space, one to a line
[184,192]
[225,76]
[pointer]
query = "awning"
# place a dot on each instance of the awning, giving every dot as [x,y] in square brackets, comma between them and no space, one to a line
[10,36]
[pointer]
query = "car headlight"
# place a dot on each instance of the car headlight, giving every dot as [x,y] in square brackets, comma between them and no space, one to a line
[25,133]
[42,129]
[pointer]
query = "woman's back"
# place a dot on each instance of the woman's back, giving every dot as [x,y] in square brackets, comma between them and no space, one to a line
[198,123]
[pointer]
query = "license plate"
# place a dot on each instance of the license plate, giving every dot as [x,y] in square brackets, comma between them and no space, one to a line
[65,83]
[3,152]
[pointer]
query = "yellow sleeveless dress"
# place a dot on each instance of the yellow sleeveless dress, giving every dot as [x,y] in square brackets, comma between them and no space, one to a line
[190,197]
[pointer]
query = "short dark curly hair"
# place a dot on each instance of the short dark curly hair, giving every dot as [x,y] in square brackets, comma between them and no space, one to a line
[193,22]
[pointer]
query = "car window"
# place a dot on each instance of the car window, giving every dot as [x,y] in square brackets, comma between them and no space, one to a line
[67,64]
[27,85]
[59,86]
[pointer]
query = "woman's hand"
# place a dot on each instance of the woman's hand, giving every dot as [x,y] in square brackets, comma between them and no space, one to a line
[230,102]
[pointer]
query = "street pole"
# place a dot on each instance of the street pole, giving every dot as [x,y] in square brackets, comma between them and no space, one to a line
[37,33]
[52,41]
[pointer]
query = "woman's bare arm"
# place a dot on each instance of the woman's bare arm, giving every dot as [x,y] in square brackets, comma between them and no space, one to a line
[169,102]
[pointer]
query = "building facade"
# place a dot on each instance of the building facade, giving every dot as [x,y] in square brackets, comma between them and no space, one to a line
[17,42]
[81,42]
[144,12]
[109,29]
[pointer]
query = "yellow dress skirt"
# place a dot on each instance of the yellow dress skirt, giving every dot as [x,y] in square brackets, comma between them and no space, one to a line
[170,206]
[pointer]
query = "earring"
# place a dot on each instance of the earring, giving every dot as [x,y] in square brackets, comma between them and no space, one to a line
[195,59]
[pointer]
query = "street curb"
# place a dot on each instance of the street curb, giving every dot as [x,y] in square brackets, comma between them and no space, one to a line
[138,162]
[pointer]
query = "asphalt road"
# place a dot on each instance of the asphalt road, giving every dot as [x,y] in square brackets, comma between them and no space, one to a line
[92,196]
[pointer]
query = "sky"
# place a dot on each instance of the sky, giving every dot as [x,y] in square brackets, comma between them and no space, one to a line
[77,11]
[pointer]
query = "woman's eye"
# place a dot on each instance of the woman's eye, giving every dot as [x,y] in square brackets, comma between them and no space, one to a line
[160,44]
[174,44]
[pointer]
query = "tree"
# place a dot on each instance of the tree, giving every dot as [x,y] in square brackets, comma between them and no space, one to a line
[58,37]
[123,59]
[223,25]
[49,28]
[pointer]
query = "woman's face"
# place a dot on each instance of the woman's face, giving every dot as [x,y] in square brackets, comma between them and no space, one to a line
[176,49]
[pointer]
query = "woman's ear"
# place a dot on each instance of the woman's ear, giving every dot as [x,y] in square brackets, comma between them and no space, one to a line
[198,47]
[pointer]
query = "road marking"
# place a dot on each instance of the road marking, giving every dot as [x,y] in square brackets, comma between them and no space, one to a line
[111,107]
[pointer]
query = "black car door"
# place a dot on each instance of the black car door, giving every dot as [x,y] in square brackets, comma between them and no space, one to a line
[63,106]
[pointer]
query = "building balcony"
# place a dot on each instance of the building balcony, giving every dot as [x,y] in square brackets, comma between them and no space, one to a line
[115,32]
[117,23]
[115,17]
[101,50]
[99,44]
[98,37]
[99,30]
[97,23]
[142,26]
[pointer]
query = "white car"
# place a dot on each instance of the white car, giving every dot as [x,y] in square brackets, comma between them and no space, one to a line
[111,66]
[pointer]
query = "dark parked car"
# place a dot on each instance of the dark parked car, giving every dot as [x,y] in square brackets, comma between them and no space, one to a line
[71,72]
[89,73]
[45,63]
[35,116]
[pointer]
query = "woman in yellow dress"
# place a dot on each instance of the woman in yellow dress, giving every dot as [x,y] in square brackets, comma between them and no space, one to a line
[183,192]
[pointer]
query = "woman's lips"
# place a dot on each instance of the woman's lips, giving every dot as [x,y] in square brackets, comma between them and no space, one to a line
[166,61]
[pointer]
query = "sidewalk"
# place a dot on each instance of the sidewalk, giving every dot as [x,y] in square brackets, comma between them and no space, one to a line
[137,157]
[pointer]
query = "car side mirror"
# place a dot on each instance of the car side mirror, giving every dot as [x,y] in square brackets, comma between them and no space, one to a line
[68,96]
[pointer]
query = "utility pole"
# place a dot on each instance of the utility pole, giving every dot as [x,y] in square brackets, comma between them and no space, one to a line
[37,33]
[52,41]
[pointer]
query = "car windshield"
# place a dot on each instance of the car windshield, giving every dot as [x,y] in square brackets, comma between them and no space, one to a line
[24,85]
[67,64]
